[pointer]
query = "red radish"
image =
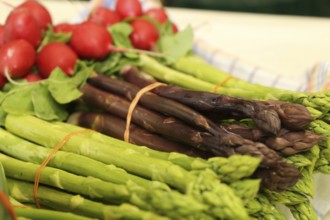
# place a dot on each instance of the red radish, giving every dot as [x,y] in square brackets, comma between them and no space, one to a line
[21,24]
[18,57]
[144,35]
[32,77]
[56,55]
[91,41]
[104,16]
[128,8]
[2,30]
[159,14]
[3,81]
[174,28]
[64,28]
[39,12]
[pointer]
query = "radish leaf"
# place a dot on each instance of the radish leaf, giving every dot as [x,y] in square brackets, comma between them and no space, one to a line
[65,88]
[176,45]
[46,107]
[50,36]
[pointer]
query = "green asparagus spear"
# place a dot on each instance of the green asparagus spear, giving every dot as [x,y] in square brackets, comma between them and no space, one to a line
[63,201]
[202,70]
[303,211]
[286,197]
[228,169]
[115,126]
[5,213]
[172,76]
[262,208]
[174,204]
[67,161]
[145,166]
[246,189]
[41,214]
[194,65]
[234,167]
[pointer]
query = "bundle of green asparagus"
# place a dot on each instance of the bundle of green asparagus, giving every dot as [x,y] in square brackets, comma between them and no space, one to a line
[150,183]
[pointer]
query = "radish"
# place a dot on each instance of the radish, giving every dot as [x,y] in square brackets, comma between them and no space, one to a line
[91,41]
[18,57]
[21,24]
[3,81]
[174,28]
[144,35]
[56,55]
[32,77]
[64,28]
[104,16]
[128,8]
[159,14]
[39,12]
[2,30]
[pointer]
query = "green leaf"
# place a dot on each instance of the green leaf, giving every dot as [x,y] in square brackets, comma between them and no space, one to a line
[176,45]
[18,100]
[46,99]
[166,29]
[120,34]
[45,107]
[107,66]
[50,36]
[65,89]
[113,63]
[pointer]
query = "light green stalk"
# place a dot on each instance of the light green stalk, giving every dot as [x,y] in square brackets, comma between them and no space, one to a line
[196,67]
[42,214]
[67,161]
[234,167]
[286,197]
[323,161]
[204,187]
[228,169]
[4,189]
[303,211]
[90,186]
[63,201]
[187,162]
[172,76]
[172,204]
[262,208]
[246,189]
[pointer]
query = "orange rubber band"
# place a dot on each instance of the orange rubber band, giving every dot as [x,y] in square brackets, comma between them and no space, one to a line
[221,83]
[48,158]
[133,105]
[7,205]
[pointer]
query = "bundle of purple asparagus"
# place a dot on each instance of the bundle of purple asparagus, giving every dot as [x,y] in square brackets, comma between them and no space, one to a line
[175,119]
